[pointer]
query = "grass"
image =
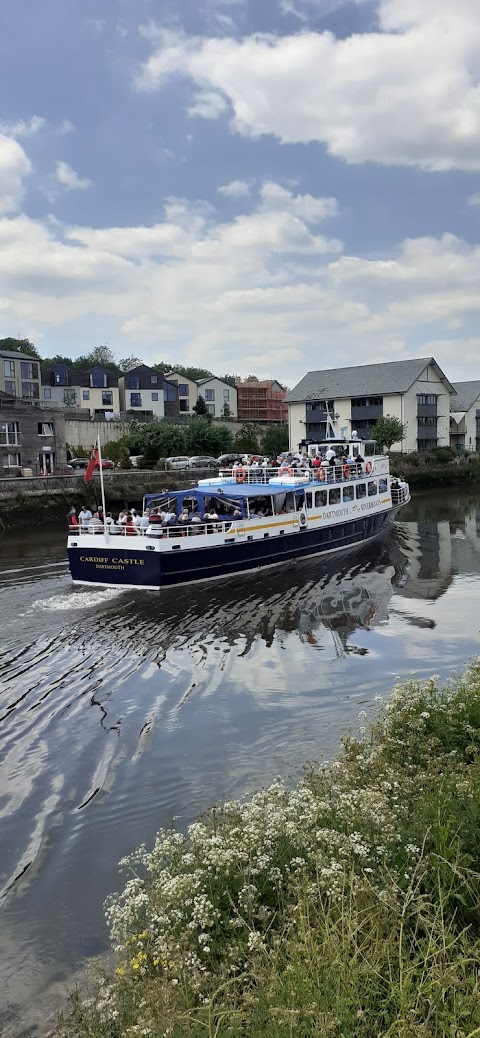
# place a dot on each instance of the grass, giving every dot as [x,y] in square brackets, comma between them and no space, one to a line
[347,907]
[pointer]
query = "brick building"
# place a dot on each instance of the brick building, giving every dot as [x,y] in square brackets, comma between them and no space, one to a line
[263,401]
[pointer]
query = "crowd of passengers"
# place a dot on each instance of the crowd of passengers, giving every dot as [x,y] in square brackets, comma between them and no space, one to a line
[329,457]
[154,521]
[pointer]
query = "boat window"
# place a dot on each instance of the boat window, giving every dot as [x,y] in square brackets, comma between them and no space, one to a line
[320,498]
[309,500]
[360,490]
[369,449]
[348,493]
[382,486]
[372,488]
[334,496]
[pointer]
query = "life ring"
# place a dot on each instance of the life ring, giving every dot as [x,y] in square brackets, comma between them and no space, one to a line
[290,472]
[346,471]
[302,519]
[368,468]
[240,475]
[320,474]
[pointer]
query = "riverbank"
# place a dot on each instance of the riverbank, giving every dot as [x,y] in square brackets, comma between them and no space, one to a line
[348,906]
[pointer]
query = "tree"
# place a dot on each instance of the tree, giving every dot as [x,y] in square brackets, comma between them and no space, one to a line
[101,356]
[226,411]
[188,372]
[157,440]
[20,346]
[247,440]
[388,430]
[232,380]
[201,437]
[200,406]
[275,441]
[129,363]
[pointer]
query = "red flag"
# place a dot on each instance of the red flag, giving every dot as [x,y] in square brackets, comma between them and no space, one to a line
[92,465]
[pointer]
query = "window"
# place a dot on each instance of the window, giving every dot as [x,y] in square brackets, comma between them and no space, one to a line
[226,395]
[209,394]
[98,379]
[183,389]
[169,391]
[372,488]
[334,496]
[107,398]
[309,499]
[320,498]
[426,445]
[348,493]
[428,422]
[155,396]
[368,401]
[133,382]
[12,461]
[427,398]
[45,428]
[183,405]
[10,387]
[10,433]
[154,380]
[211,409]
[360,491]
[47,394]
[28,370]
[86,394]
[135,399]
[9,368]
[30,391]
[382,486]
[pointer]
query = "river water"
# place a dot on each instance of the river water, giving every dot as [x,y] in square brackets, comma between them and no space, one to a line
[120,711]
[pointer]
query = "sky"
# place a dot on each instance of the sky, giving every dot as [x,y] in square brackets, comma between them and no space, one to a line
[251,186]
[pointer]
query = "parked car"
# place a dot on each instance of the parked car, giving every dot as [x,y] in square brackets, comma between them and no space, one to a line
[135,458]
[228,459]
[107,464]
[179,462]
[203,461]
[78,464]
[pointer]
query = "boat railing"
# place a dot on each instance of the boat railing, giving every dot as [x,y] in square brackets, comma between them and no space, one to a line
[159,531]
[324,473]
[400,495]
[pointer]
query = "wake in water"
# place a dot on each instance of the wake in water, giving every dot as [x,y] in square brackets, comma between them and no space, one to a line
[75,600]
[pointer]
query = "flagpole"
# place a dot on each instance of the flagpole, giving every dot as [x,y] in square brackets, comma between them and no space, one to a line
[102,488]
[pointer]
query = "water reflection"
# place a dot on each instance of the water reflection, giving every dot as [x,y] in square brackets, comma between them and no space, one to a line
[120,710]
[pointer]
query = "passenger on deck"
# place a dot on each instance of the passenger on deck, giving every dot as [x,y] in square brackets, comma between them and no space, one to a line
[330,456]
[135,518]
[196,519]
[84,516]
[155,527]
[95,526]
[114,529]
[145,520]
[72,519]
[237,513]
[108,519]
[122,518]
[130,528]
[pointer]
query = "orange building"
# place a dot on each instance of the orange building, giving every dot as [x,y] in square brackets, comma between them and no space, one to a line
[261,401]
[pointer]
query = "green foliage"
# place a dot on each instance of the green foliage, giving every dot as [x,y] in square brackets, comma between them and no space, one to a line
[189,372]
[200,407]
[117,451]
[347,907]
[232,380]
[388,430]
[443,455]
[129,363]
[20,346]
[204,437]
[275,441]
[80,452]
[226,411]
[247,440]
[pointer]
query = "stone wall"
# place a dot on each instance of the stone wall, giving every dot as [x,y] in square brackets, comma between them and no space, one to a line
[80,433]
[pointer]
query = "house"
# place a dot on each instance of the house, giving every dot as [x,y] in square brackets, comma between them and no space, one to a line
[146,393]
[67,388]
[220,397]
[19,375]
[465,416]
[30,437]
[263,401]
[415,391]
[187,391]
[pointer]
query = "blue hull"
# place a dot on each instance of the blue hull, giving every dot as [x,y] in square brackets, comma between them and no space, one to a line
[121,567]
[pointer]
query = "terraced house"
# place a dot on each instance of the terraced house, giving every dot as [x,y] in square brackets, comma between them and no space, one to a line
[415,391]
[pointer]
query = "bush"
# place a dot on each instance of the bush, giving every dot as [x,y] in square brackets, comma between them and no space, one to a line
[443,455]
[346,907]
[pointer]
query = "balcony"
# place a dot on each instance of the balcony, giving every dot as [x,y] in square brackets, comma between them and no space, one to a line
[427,410]
[372,411]
[427,432]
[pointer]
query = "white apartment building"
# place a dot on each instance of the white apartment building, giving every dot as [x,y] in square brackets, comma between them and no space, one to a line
[415,391]
[219,396]
[187,392]
[465,416]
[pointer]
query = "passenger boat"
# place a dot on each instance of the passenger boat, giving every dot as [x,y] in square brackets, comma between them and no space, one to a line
[263,517]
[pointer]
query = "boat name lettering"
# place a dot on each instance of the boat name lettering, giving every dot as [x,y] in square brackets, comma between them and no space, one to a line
[335,512]
[103,559]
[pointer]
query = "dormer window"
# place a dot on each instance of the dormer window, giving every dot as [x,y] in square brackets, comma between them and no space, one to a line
[98,379]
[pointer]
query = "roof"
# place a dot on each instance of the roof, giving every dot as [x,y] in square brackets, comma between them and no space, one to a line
[266,383]
[21,356]
[363,380]
[211,378]
[465,395]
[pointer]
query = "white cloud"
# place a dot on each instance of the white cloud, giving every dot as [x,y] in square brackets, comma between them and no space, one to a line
[14,166]
[235,189]
[69,179]
[407,94]
[207,105]
[263,287]
[23,127]
[474,199]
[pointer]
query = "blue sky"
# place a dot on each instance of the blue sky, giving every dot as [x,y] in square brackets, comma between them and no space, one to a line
[269,186]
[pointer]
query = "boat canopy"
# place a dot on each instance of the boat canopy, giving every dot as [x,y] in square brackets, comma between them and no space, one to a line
[231,491]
